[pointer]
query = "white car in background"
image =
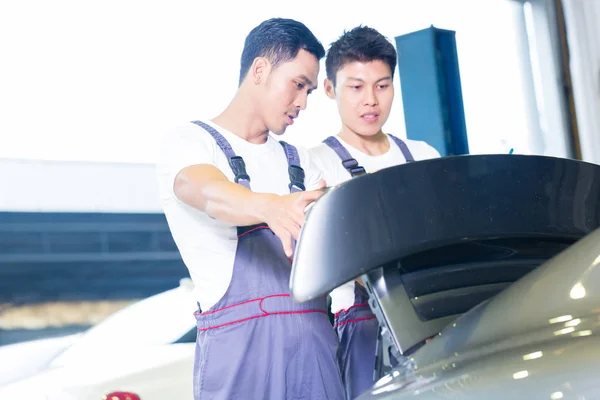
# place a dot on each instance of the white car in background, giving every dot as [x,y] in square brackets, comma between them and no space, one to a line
[146,348]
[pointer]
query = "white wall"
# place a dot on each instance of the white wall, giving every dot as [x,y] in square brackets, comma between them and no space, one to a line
[101,81]
[553,138]
[62,186]
[583,33]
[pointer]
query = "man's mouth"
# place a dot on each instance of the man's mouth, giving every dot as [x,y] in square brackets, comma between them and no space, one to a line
[370,117]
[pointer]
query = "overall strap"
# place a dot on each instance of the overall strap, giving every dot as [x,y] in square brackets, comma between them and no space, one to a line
[403,148]
[237,164]
[295,171]
[349,163]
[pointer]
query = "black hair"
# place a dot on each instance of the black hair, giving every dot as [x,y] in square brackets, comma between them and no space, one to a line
[361,44]
[279,40]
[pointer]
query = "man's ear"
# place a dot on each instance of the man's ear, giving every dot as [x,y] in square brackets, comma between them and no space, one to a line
[260,70]
[329,88]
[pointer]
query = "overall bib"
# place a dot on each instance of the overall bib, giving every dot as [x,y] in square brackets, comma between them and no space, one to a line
[257,342]
[357,327]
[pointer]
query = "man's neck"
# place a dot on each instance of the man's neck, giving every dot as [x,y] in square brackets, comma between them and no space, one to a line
[375,145]
[240,118]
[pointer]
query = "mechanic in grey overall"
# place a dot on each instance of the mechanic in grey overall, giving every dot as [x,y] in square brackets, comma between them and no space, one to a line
[234,197]
[360,67]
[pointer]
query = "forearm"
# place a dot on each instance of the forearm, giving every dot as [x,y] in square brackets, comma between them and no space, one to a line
[235,204]
[207,189]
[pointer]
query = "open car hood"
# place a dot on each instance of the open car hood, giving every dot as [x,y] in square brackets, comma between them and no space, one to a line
[434,238]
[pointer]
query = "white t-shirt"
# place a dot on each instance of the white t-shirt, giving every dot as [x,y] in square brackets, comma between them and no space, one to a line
[207,245]
[334,173]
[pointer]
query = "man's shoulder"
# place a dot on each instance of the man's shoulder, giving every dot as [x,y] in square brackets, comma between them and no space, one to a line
[183,132]
[326,158]
[421,150]
[329,163]
[184,144]
[322,151]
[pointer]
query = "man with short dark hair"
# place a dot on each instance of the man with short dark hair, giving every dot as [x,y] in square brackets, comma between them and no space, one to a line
[360,68]
[234,198]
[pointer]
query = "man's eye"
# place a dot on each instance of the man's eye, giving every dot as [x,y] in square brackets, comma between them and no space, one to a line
[300,85]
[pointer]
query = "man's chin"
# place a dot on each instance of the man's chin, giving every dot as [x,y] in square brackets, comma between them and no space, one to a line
[367,134]
[279,131]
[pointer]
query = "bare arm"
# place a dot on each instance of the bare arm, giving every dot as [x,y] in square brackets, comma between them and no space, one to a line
[206,188]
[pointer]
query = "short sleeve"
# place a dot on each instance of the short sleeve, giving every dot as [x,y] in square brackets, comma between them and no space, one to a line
[433,153]
[182,147]
[312,173]
[329,163]
[422,150]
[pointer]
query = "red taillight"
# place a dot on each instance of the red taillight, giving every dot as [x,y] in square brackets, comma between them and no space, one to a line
[121,396]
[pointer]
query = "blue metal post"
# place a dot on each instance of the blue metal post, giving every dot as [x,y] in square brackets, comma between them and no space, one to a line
[431,90]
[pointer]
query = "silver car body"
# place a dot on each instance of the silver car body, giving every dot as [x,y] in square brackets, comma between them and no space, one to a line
[538,339]
[503,253]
